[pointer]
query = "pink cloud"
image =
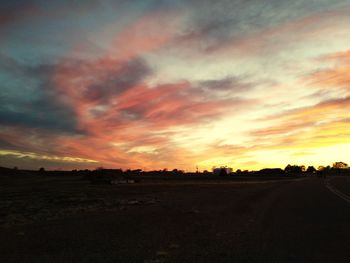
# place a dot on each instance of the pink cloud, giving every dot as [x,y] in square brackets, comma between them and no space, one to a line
[148,33]
[118,111]
[335,77]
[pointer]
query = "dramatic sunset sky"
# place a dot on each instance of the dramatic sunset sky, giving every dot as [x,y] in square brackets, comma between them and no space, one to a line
[174,84]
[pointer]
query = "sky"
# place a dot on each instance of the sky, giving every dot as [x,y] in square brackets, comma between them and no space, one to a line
[174,84]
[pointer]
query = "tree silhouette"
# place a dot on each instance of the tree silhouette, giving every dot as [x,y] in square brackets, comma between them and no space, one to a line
[294,169]
[223,172]
[340,165]
[311,169]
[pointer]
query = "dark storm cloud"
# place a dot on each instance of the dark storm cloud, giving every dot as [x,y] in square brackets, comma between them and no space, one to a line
[29,98]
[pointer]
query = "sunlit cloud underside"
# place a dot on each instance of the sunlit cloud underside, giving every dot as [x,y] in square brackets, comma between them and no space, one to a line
[174,84]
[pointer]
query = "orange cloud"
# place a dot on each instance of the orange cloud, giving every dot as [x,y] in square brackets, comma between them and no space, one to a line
[127,122]
[337,76]
[321,125]
[306,118]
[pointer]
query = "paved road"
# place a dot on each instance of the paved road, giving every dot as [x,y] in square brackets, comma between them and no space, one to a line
[306,222]
[287,221]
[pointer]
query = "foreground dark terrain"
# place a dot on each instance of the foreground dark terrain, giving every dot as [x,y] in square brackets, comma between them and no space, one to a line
[67,219]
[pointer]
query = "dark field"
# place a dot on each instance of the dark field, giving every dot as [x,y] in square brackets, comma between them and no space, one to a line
[67,219]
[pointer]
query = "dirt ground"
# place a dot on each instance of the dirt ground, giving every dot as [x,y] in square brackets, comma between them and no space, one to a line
[67,219]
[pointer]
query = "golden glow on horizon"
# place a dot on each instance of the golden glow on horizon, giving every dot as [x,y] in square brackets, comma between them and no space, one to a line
[36,156]
[162,95]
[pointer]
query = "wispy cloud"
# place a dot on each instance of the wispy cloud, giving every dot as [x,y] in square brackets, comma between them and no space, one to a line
[157,84]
